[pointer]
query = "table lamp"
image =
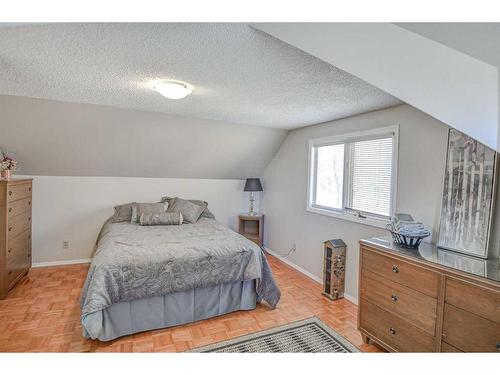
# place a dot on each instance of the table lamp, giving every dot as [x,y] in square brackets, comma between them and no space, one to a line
[251,185]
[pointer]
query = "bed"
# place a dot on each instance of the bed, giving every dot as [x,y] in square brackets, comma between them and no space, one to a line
[150,277]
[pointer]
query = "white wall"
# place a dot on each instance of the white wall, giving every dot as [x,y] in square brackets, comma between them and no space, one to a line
[74,208]
[422,154]
[447,84]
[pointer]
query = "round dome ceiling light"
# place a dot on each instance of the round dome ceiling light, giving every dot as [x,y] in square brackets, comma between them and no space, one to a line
[173,89]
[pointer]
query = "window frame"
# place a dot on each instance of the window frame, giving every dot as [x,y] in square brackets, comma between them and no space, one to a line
[347,213]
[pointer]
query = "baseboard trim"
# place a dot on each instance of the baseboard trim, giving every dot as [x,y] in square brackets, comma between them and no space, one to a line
[61,262]
[350,298]
[293,265]
[305,272]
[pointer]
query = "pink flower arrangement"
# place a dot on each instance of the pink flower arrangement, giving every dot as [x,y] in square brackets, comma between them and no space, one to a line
[7,162]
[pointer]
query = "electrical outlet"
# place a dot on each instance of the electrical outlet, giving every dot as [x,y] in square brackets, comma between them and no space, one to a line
[65,244]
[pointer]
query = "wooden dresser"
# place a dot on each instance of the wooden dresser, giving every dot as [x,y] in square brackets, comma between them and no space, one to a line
[421,300]
[15,232]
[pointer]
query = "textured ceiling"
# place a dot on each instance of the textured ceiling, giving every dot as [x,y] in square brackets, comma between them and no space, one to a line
[479,40]
[240,74]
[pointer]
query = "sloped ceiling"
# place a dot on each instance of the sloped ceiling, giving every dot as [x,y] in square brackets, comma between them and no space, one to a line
[443,82]
[68,139]
[240,75]
[479,40]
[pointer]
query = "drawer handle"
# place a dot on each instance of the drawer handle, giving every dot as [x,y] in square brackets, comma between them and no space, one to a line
[10,209]
[10,250]
[395,269]
[10,272]
[10,229]
[10,192]
[498,345]
[394,298]
[29,189]
[29,203]
[392,331]
[29,218]
[29,255]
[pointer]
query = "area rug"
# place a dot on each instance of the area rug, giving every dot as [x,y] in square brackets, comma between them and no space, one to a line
[305,336]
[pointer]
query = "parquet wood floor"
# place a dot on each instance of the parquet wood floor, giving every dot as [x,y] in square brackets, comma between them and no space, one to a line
[42,314]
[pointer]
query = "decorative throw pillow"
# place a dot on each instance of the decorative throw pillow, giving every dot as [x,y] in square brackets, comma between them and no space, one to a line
[123,212]
[146,208]
[206,212]
[165,218]
[190,211]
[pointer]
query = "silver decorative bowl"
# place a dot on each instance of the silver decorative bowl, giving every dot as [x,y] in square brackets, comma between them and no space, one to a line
[410,242]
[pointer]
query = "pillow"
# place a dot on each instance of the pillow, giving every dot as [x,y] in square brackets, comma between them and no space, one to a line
[123,212]
[206,212]
[146,208]
[165,218]
[190,211]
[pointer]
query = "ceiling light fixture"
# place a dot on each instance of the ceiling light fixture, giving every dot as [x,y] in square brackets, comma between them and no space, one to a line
[173,89]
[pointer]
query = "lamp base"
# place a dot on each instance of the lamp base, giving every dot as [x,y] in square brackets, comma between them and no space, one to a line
[252,199]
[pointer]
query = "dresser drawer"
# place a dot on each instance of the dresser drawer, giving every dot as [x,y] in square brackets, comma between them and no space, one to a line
[18,224]
[469,332]
[404,273]
[18,207]
[18,257]
[15,231]
[481,301]
[19,251]
[14,275]
[413,306]
[19,191]
[392,331]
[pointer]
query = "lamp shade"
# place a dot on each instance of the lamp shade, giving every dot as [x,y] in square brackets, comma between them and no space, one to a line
[253,184]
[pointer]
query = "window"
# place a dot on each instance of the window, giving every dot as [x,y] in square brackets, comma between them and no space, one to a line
[354,176]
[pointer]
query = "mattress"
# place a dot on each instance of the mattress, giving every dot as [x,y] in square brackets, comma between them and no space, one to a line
[169,310]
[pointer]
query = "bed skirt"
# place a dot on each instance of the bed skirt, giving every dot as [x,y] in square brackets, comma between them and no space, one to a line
[172,309]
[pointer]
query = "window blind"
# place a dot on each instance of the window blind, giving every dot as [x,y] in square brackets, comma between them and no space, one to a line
[371,176]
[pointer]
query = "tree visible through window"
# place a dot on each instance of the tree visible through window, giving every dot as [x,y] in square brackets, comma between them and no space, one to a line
[330,176]
[353,174]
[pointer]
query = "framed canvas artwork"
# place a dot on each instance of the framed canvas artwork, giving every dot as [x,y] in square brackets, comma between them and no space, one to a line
[468,196]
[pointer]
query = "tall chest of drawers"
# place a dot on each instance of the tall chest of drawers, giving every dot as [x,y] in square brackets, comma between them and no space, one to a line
[410,304]
[15,232]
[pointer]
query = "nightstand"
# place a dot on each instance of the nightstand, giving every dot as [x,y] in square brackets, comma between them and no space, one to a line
[252,227]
